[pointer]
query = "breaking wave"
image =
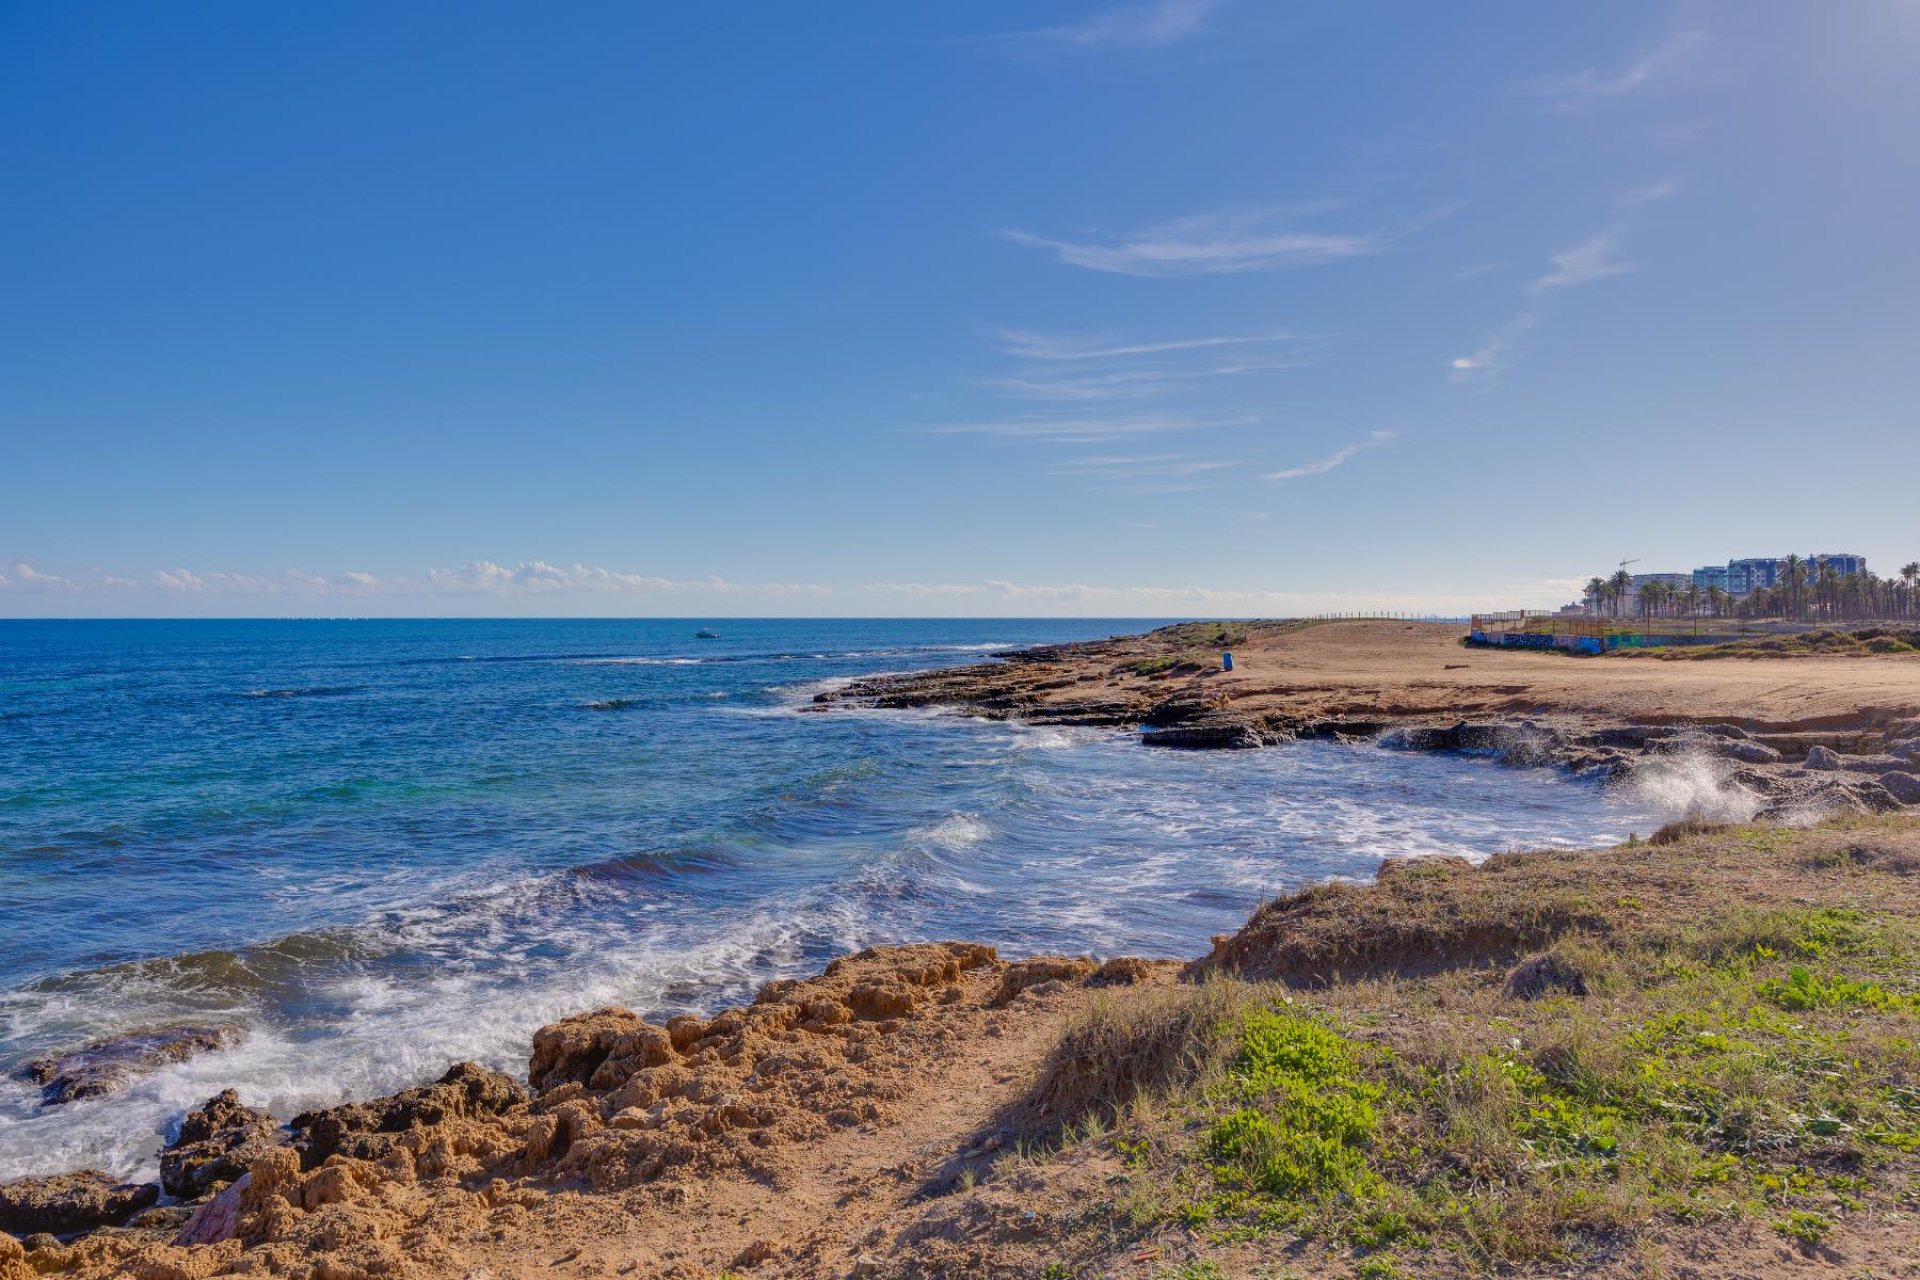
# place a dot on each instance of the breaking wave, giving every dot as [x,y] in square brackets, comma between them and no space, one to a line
[1691,784]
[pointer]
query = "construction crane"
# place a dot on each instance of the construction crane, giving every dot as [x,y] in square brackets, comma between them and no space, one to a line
[1625,563]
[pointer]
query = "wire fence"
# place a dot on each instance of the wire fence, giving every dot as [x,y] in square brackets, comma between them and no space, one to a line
[1385,617]
[1601,628]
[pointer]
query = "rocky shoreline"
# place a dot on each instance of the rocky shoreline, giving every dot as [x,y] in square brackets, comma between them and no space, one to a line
[1156,684]
[621,1116]
[934,1110]
[614,1104]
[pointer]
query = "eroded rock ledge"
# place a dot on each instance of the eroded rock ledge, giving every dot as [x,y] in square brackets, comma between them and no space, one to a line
[1176,696]
[617,1104]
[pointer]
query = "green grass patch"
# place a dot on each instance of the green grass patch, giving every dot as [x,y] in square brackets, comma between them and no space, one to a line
[1770,1056]
[1305,1118]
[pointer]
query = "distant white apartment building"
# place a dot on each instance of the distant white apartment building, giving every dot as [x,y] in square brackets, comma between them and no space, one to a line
[1740,578]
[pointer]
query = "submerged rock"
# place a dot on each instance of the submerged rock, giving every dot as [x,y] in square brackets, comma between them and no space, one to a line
[111,1064]
[217,1141]
[364,1130]
[1229,736]
[68,1202]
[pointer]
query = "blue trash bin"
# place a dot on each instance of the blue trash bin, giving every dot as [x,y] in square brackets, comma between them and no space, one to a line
[1226,660]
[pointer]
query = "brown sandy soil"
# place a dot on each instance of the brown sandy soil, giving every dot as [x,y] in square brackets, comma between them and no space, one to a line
[1421,669]
[1292,675]
[932,1111]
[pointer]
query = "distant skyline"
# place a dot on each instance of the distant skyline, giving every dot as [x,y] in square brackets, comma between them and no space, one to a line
[1173,308]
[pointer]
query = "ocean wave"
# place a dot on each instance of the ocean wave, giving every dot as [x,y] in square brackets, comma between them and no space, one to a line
[1692,784]
[385,1028]
[639,662]
[956,831]
[311,691]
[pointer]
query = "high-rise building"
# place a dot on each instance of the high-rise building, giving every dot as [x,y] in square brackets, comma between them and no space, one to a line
[1744,577]
[1711,577]
[1741,578]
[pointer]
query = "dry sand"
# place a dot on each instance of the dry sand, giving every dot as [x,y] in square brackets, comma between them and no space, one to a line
[1304,674]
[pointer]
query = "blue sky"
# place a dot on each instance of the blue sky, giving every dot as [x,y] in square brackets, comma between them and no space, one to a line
[1177,308]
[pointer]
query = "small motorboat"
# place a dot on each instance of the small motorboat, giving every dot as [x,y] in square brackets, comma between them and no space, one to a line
[706,633]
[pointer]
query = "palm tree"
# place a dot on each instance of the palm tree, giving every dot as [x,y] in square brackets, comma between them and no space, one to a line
[1793,576]
[1595,593]
[1693,597]
[1826,595]
[1622,584]
[1866,593]
[1652,595]
[1910,574]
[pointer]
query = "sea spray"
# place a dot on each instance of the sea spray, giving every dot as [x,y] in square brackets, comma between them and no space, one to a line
[1691,784]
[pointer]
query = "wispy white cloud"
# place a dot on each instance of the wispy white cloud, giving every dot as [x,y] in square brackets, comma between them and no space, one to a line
[1145,475]
[1028,345]
[1491,358]
[1087,430]
[1223,243]
[1150,465]
[25,575]
[537,577]
[1671,62]
[1137,384]
[1140,26]
[1069,368]
[1594,258]
[1652,192]
[1373,441]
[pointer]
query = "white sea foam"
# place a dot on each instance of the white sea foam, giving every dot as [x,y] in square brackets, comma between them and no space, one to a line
[956,831]
[1692,784]
[390,1028]
[1052,738]
[970,832]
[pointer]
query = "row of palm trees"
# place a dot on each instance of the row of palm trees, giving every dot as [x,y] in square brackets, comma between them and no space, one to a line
[1808,590]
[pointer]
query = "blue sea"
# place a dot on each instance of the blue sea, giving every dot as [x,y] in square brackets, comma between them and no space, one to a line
[387,846]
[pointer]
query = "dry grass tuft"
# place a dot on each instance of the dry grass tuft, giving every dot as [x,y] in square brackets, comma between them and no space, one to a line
[1549,973]
[1119,1050]
[1686,829]
[1421,920]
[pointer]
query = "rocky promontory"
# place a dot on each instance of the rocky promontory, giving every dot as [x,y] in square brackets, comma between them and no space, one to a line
[1804,735]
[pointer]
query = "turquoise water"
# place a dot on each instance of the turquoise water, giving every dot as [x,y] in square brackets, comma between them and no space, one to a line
[387,846]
